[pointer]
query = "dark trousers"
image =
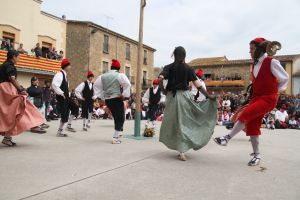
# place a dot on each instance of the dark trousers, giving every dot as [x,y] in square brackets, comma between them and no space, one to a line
[74,108]
[116,106]
[46,109]
[64,110]
[153,108]
[87,107]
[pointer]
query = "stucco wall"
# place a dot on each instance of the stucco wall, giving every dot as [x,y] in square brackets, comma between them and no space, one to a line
[26,16]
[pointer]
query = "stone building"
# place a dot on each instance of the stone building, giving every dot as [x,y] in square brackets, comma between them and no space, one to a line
[92,47]
[156,72]
[226,75]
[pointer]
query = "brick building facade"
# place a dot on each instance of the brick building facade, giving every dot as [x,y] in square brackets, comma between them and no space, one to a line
[92,47]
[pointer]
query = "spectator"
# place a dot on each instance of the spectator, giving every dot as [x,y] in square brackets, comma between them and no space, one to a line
[21,50]
[11,45]
[226,103]
[281,118]
[293,123]
[4,45]
[35,95]
[38,50]
[32,53]
[225,118]
[270,120]
[60,56]
[47,98]
[52,54]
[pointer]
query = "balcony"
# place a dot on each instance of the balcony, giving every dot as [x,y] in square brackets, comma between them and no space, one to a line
[32,64]
[225,83]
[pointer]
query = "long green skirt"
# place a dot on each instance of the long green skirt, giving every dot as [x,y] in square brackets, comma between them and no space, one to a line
[187,124]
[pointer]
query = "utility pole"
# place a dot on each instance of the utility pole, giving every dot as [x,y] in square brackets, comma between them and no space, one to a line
[137,121]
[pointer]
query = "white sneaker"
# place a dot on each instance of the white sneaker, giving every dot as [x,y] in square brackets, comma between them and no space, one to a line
[254,161]
[222,141]
[116,141]
[88,126]
[85,129]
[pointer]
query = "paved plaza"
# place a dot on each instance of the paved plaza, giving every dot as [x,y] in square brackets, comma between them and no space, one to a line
[86,166]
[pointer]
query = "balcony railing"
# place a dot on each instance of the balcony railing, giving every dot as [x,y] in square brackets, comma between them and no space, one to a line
[31,62]
[225,83]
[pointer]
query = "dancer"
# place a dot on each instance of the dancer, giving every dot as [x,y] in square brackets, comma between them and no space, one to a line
[152,97]
[85,93]
[60,86]
[198,96]
[17,114]
[186,124]
[113,87]
[268,77]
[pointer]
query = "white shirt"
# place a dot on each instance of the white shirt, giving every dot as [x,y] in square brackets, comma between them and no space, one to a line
[146,96]
[123,80]
[276,69]
[225,117]
[79,89]
[195,90]
[281,116]
[226,103]
[56,82]
[293,122]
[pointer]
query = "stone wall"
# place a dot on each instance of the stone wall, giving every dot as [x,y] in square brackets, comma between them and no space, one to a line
[85,50]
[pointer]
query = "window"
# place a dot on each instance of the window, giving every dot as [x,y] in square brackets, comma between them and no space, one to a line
[104,67]
[283,65]
[145,57]
[106,44]
[144,78]
[46,47]
[127,51]
[127,71]
[8,40]
[8,36]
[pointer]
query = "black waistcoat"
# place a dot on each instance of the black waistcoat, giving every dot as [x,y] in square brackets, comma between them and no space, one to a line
[154,98]
[64,87]
[87,93]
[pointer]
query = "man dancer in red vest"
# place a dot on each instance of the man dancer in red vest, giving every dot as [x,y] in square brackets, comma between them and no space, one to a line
[268,77]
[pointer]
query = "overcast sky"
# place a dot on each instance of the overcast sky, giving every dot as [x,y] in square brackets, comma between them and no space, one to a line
[206,28]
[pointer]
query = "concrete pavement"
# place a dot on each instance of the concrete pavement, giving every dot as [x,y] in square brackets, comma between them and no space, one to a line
[86,166]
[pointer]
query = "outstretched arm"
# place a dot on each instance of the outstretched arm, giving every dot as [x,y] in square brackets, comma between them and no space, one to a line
[203,91]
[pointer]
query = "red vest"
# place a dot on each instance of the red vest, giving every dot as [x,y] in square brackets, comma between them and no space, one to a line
[265,82]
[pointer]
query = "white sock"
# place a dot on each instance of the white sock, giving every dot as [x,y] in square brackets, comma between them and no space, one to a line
[61,126]
[255,145]
[116,134]
[84,122]
[90,118]
[238,126]
[70,120]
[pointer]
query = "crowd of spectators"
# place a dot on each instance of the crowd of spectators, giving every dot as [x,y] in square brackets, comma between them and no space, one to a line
[285,115]
[37,51]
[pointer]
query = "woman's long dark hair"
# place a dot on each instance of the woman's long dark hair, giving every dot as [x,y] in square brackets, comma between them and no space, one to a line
[179,68]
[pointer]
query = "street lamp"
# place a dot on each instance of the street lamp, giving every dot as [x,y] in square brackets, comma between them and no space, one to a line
[137,121]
